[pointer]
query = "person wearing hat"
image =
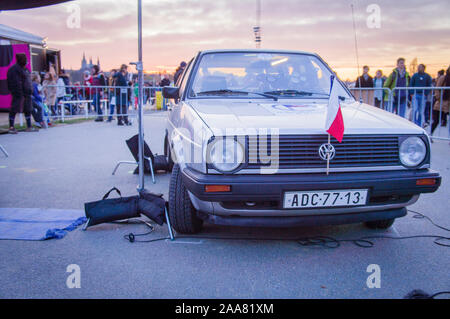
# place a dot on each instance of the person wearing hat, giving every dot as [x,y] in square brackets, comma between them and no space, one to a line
[179,72]
[19,84]
[122,95]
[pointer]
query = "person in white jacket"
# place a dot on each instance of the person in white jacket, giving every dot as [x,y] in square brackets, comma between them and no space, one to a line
[60,93]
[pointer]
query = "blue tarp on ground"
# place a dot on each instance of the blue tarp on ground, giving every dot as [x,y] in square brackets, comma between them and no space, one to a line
[38,224]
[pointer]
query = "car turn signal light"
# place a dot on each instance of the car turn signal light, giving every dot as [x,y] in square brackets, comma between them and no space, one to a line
[426,182]
[217,188]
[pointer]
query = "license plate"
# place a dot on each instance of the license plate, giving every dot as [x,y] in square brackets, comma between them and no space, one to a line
[331,198]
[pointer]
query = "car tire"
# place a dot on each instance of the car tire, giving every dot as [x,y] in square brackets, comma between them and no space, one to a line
[380,224]
[168,155]
[182,213]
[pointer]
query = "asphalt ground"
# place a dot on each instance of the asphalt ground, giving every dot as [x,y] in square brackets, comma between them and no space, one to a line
[68,165]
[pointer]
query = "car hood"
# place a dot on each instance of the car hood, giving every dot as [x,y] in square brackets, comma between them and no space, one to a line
[297,117]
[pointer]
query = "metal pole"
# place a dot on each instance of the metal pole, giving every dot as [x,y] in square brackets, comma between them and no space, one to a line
[328,154]
[169,225]
[4,151]
[258,24]
[440,109]
[356,50]
[140,68]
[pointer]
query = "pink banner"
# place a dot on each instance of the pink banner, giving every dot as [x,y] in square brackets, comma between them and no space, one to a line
[5,99]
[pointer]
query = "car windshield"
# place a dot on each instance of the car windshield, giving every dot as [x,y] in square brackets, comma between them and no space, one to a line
[263,75]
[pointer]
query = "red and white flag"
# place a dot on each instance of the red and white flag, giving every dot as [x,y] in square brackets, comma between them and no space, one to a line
[334,124]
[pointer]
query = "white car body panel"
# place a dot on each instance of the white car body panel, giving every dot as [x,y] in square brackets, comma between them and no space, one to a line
[299,117]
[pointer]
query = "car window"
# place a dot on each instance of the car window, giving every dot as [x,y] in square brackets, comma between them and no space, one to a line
[252,72]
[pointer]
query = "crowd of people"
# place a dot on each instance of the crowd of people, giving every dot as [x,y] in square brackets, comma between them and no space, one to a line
[45,99]
[114,89]
[409,91]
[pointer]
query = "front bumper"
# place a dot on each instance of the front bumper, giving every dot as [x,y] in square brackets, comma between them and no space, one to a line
[388,191]
[309,220]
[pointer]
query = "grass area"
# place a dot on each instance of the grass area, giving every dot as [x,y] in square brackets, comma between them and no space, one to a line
[5,128]
[73,121]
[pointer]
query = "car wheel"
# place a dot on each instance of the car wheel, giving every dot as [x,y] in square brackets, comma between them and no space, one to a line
[181,211]
[380,224]
[168,154]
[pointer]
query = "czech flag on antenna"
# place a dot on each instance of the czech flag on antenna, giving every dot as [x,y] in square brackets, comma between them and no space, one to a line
[335,122]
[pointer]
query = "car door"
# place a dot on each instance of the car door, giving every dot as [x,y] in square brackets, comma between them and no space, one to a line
[175,107]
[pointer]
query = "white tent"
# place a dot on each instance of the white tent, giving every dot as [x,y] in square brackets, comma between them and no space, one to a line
[8,33]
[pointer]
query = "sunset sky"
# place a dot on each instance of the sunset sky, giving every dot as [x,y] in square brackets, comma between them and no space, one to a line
[174,30]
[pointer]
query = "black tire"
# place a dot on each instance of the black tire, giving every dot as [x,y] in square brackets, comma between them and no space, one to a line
[181,211]
[380,224]
[168,154]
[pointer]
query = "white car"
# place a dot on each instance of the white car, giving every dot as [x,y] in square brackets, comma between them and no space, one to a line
[246,138]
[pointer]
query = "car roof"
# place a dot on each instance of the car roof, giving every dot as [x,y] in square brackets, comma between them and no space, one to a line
[257,51]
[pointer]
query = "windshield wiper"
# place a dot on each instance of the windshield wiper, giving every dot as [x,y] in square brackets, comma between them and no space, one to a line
[228,91]
[294,93]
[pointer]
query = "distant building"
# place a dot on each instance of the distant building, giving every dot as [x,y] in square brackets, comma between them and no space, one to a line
[77,75]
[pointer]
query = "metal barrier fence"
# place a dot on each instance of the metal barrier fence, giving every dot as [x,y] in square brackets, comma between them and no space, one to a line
[373,96]
[98,101]
[428,107]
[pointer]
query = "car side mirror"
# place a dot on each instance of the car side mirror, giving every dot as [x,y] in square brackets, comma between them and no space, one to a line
[171,92]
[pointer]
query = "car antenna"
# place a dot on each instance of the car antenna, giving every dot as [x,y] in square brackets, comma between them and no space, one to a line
[356,51]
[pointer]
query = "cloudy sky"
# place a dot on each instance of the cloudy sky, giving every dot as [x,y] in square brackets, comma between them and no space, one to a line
[174,30]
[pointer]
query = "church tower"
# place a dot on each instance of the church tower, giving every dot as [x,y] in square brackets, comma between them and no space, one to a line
[83,62]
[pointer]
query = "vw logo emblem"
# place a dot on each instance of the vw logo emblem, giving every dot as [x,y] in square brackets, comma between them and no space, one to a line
[326,150]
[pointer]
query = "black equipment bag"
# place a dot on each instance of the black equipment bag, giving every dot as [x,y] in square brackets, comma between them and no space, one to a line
[108,210]
[133,145]
[152,206]
[159,161]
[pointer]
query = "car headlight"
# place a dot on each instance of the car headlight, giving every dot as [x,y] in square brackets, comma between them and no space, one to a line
[412,151]
[226,154]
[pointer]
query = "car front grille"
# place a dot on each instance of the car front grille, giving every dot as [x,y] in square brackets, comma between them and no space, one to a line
[302,151]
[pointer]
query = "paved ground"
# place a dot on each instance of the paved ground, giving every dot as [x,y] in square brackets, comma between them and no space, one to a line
[65,166]
[4,116]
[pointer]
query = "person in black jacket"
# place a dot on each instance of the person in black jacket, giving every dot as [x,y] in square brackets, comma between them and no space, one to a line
[178,72]
[165,81]
[365,80]
[98,82]
[19,84]
[122,94]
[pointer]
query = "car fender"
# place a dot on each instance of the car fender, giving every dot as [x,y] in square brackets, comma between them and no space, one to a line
[187,135]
